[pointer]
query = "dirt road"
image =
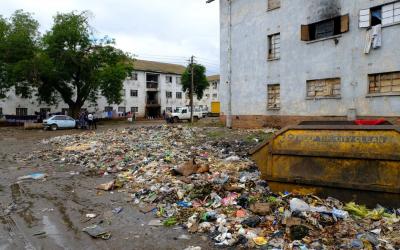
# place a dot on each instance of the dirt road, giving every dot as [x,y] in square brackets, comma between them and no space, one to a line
[51,213]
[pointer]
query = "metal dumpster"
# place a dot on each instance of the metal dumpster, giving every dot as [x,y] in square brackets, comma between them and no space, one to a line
[333,154]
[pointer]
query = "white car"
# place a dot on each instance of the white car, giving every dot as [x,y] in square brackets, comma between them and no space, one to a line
[184,114]
[58,122]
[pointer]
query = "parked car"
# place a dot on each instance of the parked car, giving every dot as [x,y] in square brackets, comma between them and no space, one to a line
[184,114]
[59,122]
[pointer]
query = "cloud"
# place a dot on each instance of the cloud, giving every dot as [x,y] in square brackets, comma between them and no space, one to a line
[160,30]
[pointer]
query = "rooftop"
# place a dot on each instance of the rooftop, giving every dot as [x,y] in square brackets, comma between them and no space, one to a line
[213,78]
[158,67]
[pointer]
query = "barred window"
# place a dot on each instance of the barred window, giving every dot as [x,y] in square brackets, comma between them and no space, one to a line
[178,95]
[274,46]
[121,109]
[168,94]
[134,92]
[384,82]
[134,109]
[323,88]
[274,96]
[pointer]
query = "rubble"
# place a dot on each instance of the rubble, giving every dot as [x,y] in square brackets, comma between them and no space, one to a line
[209,185]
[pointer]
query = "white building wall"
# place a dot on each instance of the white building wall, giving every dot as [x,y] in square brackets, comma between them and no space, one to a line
[10,104]
[301,61]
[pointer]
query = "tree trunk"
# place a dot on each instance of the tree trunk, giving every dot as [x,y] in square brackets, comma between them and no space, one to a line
[74,111]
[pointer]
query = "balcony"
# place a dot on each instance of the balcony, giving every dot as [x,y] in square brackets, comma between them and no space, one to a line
[152,103]
[152,85]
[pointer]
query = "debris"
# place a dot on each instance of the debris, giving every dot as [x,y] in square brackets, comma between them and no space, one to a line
[297,205]
[210,186]
[106,186]
[97,231]
[155,223]
[260,208]
[91,216]
[340,214]
[184,237]
[34,176]
[39,233]
[260,241]
[193,248]
[253,221]
[298,232]
[171,221]
[117,210]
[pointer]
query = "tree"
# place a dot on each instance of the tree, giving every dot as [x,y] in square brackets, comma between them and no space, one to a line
[66,63]
[19,40]
[200,82]
[76,67]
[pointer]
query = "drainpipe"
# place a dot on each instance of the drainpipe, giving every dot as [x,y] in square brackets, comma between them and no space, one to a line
[229,82]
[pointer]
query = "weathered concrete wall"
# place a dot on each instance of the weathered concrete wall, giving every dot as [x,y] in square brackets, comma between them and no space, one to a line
[301,61]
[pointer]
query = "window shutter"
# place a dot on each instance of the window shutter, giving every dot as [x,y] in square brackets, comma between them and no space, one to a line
[344,23]
[387,14]
[364,20]
[305,33]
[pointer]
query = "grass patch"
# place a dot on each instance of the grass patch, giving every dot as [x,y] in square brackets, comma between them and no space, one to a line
[260,136]
[216,134]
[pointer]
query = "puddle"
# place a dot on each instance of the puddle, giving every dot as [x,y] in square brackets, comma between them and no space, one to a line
[53,233]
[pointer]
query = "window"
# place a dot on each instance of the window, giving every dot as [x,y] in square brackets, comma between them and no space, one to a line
[59,118]
[384,83]
[274,46]
[215,95]
[21,111]
[384,14]
[44,110]
[178,80]
[134,109]
[121,110]
[168,79]
[273,4]
[326,28]
[1,112]
[134,76]
[274,96]
[215,85]
[323,88]
[108,109]
[123,93]
[134,92]
[168,109]
[168,94]
[178,95]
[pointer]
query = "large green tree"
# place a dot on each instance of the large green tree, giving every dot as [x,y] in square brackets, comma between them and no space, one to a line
[66,63]
[77,67]
[19,44]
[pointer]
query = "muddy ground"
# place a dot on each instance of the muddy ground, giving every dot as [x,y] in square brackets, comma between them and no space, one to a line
[51,213]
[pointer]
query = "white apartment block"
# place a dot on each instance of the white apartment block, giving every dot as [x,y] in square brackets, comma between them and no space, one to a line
[152,89]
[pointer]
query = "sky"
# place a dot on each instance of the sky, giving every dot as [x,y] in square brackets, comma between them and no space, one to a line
[157,30]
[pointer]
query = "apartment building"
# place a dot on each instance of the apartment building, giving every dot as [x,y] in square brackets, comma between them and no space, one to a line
[211,95]
[152,89]
[283,61]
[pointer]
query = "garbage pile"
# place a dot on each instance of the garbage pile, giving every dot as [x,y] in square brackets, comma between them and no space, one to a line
[209,185]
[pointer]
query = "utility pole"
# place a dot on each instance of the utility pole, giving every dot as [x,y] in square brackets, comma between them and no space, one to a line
[229,116]
[191,88]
